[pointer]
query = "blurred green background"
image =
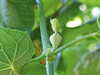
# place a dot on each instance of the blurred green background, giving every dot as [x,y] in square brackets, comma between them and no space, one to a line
[77,18]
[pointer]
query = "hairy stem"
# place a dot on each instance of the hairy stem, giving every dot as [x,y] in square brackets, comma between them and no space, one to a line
[43,28]
[40,58]
[44,36]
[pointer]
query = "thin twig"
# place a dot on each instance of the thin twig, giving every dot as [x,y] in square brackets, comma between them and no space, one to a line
[40,58]
[75,41]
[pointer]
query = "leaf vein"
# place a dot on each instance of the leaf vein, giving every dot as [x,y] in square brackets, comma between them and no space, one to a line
[16,48]
[5,69]
[5,55]
[4,63]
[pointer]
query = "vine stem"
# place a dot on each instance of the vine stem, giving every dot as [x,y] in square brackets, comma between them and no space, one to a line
[68,44]
[40,58]
[75,41]
[44,36]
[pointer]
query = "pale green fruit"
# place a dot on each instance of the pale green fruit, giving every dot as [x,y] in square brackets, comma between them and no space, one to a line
[55,24]
[55,40]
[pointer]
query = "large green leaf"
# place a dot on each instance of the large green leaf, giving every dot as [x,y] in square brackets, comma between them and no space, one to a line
[91,2]
[16,50]
[33,69]
[18,14]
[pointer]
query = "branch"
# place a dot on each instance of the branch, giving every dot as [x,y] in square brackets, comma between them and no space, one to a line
[43,28]
[69,44]
[44,36]
[75,41]
[40,58]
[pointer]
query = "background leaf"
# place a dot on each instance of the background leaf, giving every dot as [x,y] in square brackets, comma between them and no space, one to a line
[50,7]
[18,14]
[75,53]
[91,2]
[16,50]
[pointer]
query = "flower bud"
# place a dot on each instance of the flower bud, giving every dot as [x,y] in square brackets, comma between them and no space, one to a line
[51,59]
[55,25]
[49,56]
[55,40]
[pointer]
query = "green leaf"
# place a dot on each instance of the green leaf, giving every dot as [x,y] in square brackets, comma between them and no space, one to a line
[18,14]
[16,50]
[91,2]
[98,21]
[33,2]
[0,18]
[50,8]
[33,69]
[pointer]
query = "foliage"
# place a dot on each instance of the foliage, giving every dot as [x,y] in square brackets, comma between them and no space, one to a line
[24,41]
[91,3]
[18,14]
[14,51]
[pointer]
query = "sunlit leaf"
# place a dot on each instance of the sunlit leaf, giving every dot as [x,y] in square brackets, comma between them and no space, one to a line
[68,14]
[16,50]
[91,2]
